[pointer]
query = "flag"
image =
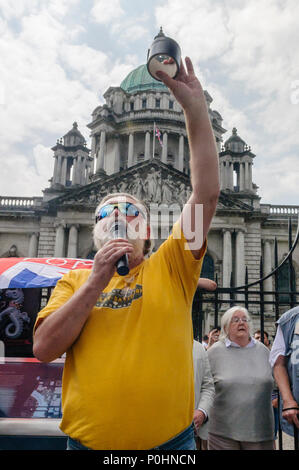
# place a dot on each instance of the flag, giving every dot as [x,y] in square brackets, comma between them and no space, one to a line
[37,272]
[158,135]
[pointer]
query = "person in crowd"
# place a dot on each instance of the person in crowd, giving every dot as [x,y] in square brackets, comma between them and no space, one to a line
[203,382]
[213,336]
[267,343]
[204,394]
[284,358]
[258,336]
[128,380]
[205,340]
[241,417]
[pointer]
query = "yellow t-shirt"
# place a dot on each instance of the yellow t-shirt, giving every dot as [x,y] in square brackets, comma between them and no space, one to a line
[128,378]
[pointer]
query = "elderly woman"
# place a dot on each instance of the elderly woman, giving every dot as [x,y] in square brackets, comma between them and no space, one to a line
[242,416]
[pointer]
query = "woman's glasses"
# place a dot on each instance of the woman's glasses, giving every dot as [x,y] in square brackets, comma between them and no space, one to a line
[126,208]
[238,320]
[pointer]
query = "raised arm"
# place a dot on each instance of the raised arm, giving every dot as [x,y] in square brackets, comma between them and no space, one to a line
[203,155]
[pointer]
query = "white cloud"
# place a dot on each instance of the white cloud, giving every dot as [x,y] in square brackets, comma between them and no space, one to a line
[244,53]
[278,180]
[252,47]
[19,178]
[105,11]
[47,83]
[18,8]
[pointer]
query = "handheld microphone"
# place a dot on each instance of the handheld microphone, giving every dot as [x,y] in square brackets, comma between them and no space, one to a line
[118,230]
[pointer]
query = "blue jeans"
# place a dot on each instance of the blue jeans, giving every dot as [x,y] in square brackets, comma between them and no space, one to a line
[183,441]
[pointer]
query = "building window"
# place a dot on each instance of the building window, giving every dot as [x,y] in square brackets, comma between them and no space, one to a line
[158,102]
[208,267]
[144,103]
[132,105]
[284,283]
[170,104]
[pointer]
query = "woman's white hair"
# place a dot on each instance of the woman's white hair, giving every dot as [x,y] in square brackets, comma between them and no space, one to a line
[227,317]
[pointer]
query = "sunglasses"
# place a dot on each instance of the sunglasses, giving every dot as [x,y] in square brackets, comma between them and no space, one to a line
[126,208]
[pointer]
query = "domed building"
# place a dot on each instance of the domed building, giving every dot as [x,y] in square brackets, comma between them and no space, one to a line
[139,145]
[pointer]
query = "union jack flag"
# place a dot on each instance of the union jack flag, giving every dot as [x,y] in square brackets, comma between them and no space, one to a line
[37,272]
[158,135]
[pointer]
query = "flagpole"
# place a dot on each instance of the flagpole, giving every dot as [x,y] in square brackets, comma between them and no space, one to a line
[154,139]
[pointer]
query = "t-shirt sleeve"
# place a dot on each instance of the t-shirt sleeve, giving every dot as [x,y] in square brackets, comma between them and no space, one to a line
[278,348]
[176,254]
[63,291]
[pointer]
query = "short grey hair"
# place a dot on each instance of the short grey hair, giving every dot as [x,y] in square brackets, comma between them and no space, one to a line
[227,318]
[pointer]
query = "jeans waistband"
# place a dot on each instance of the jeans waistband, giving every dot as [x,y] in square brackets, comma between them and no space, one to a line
[173,443]
[178,440]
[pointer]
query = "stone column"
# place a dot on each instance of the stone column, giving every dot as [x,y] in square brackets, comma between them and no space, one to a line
[227,260]
[116,153]
[75,171]
[165,147]
[59,240]
[78,169]
[231,176]
[147,145]
[63,171]
[131,150]
[54,181]
[250,175]
[181,153]
[85,172]
[268,286]
[101,152]
[247,186]
[242,176]
[228,175]
[240,260]
[73,242]
[82,170]
[222,175]
[58,171]
[33,245]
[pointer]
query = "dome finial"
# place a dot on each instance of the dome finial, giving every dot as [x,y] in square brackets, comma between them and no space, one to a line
[160,34]
[234,131]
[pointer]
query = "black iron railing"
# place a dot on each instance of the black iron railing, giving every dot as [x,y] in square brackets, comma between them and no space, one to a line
[253,296]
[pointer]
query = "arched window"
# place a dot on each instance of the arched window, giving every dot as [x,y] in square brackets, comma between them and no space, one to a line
[284,284]
[208,267]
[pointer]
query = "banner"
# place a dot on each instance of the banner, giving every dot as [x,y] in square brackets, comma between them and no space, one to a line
[26,273]
[21,281]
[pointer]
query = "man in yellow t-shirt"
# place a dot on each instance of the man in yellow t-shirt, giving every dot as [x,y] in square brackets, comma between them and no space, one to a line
[128,376]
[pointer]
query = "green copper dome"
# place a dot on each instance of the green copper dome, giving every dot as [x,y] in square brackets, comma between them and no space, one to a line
[140,80]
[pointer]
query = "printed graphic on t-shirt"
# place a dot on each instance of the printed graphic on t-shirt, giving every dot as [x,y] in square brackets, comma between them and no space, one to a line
[119,298]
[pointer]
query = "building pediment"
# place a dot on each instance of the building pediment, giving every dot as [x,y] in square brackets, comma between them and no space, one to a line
[150,181]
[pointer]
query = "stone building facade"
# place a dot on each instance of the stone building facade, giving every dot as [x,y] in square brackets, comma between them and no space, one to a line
[139,145]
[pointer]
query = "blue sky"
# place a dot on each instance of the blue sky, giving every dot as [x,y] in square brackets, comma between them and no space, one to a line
[58,57]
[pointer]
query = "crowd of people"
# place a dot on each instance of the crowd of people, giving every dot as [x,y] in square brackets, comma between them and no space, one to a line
[130,379]
[243,414]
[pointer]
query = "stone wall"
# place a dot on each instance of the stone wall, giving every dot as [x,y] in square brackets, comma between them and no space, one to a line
[47,237]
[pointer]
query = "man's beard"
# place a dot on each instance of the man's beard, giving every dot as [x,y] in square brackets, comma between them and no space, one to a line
[101,237]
